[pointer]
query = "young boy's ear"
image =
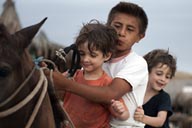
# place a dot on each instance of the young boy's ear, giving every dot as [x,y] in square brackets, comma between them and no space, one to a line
[108,56]
[141,36]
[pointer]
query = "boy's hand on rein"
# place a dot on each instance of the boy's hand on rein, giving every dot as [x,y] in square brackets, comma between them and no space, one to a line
[42,64]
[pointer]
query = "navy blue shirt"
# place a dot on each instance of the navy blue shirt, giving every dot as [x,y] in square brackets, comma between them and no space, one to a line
[159,102]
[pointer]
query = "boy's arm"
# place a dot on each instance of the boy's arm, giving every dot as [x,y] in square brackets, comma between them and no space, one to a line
[157,121]
[119,110]
[105,94]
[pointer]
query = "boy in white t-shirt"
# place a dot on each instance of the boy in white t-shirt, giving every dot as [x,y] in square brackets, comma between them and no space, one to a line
[128,70]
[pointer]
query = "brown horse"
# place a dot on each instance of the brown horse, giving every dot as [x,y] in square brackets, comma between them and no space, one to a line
[24,98]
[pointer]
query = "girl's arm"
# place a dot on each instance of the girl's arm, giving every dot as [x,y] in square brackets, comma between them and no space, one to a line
[157,121]
[104,94]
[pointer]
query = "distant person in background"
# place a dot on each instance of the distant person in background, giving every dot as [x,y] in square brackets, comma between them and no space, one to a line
[96,45]
[127,68]
[157,108]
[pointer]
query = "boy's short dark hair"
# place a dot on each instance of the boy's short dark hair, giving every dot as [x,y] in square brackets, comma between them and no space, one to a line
[130,9]
[99,36]
[157,56]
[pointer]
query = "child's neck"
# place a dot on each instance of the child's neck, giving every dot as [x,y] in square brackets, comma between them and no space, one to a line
[122,54]
[149,94]
[94,75]
[118,57]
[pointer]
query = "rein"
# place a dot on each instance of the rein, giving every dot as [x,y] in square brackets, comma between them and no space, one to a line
[67,122]
[42,82]
[18,89]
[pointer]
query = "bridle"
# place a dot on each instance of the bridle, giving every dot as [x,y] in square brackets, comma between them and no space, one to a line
[75,63]
[41,83]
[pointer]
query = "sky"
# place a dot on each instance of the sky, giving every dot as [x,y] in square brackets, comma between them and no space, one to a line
[170,22]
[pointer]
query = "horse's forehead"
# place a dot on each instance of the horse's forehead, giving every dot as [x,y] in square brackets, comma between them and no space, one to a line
[8,53]
[7,46]
[6,39]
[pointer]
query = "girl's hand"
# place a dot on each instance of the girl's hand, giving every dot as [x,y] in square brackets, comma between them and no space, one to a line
[117,106]
[119,110]
[139,114]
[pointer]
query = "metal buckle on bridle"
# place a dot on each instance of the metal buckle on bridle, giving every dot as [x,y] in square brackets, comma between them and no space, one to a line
[75,63]
[60,54]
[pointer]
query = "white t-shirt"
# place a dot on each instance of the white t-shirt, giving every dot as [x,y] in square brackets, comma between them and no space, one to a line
[133,69]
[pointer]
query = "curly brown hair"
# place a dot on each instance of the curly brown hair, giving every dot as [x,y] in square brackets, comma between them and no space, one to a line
[98,36]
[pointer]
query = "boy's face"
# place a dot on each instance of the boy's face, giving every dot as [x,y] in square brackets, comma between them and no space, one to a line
[127,28]
[159,77]
[92,61]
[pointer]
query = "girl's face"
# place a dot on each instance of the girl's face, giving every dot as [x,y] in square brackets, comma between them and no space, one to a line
[127,28]
[92,61]
[159,77]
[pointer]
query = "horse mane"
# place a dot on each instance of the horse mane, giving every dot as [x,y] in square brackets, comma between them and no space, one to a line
[59,114]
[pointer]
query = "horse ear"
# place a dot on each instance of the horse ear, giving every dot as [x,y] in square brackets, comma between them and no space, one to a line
[3,30]
[25,35]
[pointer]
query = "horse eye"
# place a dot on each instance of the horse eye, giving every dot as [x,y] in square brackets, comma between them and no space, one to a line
[4,72]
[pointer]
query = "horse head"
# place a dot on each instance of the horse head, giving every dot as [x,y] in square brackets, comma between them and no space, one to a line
[34,103]
[14,58]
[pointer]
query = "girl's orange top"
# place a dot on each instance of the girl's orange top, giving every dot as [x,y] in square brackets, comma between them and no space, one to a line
[85,113]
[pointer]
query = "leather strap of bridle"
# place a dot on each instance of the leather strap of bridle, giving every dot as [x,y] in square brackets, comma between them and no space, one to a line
[75,63]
